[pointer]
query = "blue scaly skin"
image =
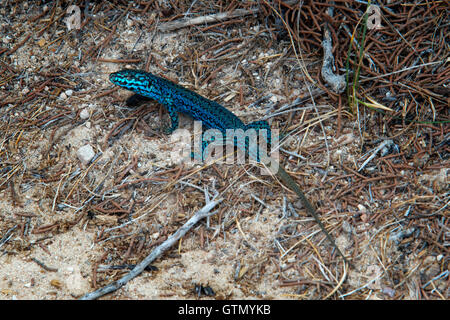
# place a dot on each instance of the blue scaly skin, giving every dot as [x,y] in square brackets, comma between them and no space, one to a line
[213,116]
[177,99]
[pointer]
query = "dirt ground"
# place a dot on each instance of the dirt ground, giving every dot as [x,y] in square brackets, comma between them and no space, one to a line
[68,227]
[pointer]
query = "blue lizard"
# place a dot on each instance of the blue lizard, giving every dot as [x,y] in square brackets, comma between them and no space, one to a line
[213,116]
[177,99]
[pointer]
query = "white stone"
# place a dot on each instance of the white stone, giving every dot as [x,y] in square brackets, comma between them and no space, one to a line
[85,154]
[84,114]
[362,208]
[69,92]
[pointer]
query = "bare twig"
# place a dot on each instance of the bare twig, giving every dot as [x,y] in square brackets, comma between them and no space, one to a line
[202,213]
[337,82]
[182,23]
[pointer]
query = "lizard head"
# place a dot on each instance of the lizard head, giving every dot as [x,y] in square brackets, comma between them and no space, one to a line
[131,79]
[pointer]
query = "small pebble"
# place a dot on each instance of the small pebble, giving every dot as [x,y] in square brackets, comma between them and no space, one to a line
[69,92]
[362,208]
[85,154]
[84,114]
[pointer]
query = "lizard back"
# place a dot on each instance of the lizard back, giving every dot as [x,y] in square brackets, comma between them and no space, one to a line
[211,113]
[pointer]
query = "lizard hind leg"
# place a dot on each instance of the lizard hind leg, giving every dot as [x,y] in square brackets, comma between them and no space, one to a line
[263,131]
[259,126]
